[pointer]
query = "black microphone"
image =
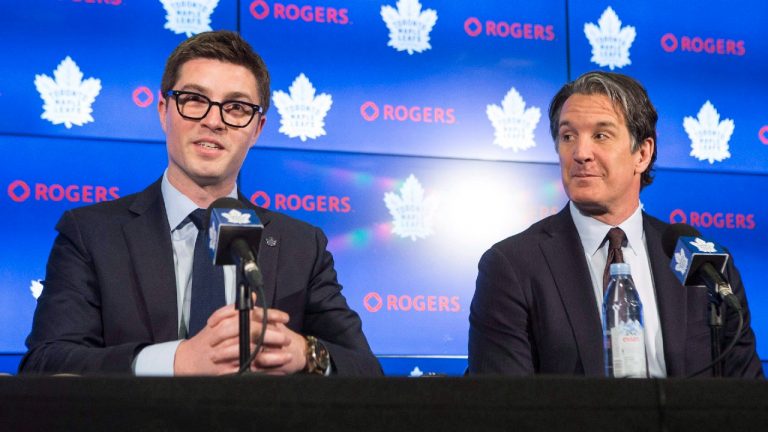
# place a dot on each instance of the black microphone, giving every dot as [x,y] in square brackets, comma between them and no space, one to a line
[696,261]
[235,233]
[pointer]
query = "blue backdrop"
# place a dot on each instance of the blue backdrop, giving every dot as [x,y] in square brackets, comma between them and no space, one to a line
[413,132]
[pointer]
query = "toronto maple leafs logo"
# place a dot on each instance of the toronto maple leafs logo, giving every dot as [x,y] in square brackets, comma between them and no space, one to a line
[236,217]
[416,372]
[213,237]
[610,42]
[703,245]
[302,114]
[411,210]
[36,287]
[513,123]
[408,26]
[67,98]
[709,136]
[681,261]
[188,16]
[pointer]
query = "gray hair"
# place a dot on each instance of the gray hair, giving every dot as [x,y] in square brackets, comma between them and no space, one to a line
[627,95]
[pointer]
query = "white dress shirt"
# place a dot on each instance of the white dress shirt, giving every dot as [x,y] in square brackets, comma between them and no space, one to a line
[592,232]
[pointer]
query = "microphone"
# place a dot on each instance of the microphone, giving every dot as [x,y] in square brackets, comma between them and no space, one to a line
[696,261]
[235,231]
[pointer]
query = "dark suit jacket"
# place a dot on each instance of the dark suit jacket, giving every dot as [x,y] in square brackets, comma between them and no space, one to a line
[110,289]
[534,309]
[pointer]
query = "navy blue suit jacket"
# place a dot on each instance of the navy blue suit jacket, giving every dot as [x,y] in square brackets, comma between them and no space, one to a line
[110,289]
[534,310]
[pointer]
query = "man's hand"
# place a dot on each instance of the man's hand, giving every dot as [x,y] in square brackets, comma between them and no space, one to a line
[284,350]
[215,350]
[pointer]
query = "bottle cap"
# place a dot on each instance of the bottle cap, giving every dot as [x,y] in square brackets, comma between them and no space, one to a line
[620,269]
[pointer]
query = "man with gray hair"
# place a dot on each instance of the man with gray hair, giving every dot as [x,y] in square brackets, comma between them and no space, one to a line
[536,308]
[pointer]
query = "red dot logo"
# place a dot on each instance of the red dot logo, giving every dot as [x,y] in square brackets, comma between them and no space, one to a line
[369,111]
[669,42]
[472,26]
[259,9]
[18,191]
[142,97]
[373,302]
[261,199]
[678,216]
[763,135]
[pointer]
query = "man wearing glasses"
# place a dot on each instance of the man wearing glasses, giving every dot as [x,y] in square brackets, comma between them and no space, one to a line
[125,291]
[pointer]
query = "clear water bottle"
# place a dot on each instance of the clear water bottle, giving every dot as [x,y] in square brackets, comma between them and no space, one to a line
[623,328]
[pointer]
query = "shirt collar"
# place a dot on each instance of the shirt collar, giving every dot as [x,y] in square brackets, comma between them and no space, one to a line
[177,205]
[592,232]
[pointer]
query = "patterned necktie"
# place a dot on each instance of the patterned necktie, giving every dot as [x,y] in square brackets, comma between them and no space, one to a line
[207,279]
[616,240]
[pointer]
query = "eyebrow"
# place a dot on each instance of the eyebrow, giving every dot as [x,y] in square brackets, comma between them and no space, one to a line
[228,96]
[602,124]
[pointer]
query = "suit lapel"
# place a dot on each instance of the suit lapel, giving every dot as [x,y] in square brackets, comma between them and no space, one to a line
[268,253]
[149,243]
[568,266]
[671,301]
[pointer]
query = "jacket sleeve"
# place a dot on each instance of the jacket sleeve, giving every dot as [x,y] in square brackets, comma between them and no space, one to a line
[328,317]
[499,322]
[67,332]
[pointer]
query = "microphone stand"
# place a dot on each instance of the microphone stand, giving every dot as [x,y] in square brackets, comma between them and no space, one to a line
[244,304]
[715,327]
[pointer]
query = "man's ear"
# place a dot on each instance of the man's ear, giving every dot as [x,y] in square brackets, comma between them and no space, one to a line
[162,109]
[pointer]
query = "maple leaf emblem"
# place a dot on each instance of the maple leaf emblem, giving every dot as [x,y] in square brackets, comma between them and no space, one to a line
[236,217]
[213,237]
[513,123]
[681,261]
[67,98]
[610,42]
[36,287]
[188,16]
[408,26]
[709,136]
[411,211]
[302,113]
[703,245]
[416,372]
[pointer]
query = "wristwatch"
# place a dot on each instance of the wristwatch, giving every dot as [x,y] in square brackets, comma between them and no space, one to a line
[318,359]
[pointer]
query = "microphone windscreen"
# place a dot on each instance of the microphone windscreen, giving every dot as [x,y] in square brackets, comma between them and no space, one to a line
[221,203]
[673,233]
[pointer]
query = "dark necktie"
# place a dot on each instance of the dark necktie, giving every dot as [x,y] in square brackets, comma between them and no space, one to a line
[616,240]
[207,279]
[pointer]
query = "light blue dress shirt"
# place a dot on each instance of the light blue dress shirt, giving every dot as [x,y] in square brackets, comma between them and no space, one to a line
[592,233]
[157,359]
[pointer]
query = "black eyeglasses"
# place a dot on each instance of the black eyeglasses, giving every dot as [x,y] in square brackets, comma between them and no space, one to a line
[194,106]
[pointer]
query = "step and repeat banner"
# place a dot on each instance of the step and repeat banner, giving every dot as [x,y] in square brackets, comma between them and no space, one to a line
[414,133]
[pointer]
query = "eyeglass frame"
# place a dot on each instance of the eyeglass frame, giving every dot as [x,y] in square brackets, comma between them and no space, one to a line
[257,109]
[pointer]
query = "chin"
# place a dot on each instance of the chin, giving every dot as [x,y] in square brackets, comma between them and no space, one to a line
[590,208]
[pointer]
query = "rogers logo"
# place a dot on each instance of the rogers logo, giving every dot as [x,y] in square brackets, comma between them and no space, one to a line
[310,203]
[671,43]
[20,191]
[142,96]
[261,10]
[473,27]
[762,135]
[370,111]
[373,302]
[716,220]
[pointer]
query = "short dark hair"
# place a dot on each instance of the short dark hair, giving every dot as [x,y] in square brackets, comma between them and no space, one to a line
[220,45]
[628,96]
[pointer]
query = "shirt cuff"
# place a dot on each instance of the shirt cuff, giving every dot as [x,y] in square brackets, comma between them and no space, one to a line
[156,360]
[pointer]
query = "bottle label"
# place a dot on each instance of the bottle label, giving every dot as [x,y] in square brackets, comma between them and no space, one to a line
[628,349]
